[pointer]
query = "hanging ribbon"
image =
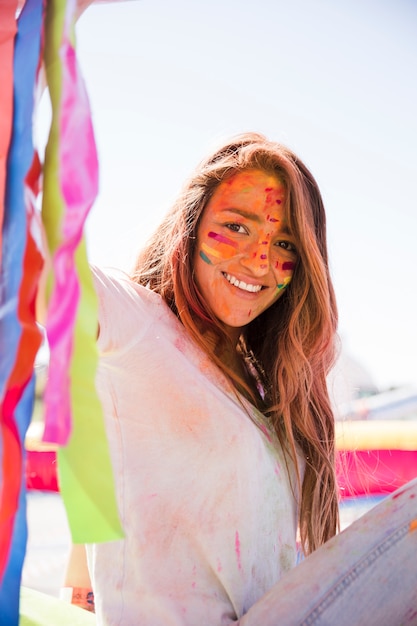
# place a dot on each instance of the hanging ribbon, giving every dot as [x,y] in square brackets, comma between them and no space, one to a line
[7,35]
[70,187]
[19,335]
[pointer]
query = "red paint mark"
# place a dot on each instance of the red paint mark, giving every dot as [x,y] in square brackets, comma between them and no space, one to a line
[288,265]
[278,201]
[263,256]
[273,219]
[254,255]
[237,550]
[397,495]
[268,188]
[249,312]
[222,239]
[413,525]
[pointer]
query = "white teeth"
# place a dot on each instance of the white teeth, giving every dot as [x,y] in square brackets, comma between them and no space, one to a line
[242,285]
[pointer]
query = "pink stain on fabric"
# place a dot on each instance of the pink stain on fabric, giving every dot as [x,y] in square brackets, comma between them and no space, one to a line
[265,432]
[237,550]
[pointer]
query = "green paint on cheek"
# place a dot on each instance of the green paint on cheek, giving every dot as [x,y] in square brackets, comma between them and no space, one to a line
[205,257]
[284,284]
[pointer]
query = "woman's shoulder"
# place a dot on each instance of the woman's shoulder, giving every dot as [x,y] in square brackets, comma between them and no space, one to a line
[124,307]
[115,284]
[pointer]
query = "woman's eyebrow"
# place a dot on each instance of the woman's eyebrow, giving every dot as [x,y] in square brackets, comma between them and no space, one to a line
[250,215]
[244,213]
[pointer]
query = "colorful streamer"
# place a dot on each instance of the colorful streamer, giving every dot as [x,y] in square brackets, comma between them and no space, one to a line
[19,334]
[7,35]
[71,180]
[70,187]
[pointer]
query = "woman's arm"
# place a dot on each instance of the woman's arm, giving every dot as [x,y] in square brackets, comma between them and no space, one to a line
[77,585]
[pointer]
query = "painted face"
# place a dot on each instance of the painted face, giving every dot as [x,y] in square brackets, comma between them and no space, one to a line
[245,255]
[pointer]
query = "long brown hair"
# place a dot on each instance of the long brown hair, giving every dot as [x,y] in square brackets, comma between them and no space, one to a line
[292,342]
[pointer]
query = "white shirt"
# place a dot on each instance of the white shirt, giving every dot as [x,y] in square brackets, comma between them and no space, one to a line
[202,487]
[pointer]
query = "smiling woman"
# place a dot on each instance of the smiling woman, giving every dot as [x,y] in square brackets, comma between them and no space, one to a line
[214,356]
[244,260]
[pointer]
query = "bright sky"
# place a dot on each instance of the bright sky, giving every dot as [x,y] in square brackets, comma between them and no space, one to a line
[336,81]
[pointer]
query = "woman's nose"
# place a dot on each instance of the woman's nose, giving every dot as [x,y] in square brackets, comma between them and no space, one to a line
[257,257]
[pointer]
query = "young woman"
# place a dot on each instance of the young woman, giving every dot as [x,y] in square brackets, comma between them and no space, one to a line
[213,380]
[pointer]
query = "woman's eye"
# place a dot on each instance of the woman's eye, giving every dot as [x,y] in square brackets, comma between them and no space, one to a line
[236,228]
[286,245]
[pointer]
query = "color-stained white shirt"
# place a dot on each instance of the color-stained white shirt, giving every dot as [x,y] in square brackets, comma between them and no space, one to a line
[203,493]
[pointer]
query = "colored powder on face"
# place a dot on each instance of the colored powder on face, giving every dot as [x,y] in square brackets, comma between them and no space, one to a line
[288,265]
[268,189]
[278,201]
[263,256]
[222,239]
[237,550]
[211,251]
[205,258]
[284,283]
[273,219]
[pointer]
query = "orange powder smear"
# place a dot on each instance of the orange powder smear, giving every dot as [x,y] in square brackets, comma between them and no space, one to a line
[222,250]
[413,525]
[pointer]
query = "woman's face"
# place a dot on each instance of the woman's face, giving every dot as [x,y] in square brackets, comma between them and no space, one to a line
[245,255]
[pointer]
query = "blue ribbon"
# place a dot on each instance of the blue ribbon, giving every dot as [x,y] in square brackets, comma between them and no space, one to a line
[21,152]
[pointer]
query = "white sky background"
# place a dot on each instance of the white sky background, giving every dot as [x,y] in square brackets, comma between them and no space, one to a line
[334,80]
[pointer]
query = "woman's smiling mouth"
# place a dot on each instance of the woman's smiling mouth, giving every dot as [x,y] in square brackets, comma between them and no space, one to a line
[241,284]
